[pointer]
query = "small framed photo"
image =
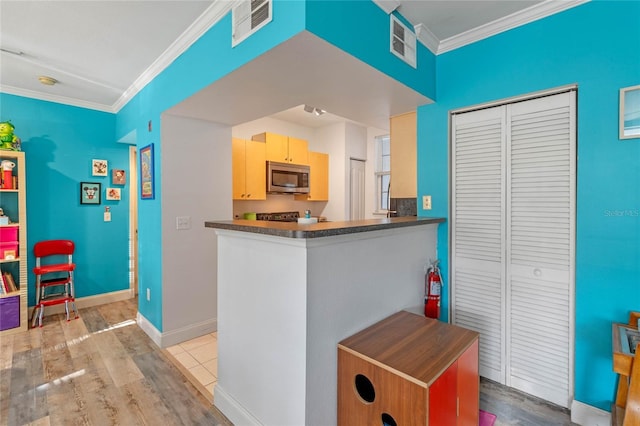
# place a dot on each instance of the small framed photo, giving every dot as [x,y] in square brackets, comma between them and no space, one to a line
[118,177]
[90,192]
[113,194]
[147,185]
[99,167]
[630,112]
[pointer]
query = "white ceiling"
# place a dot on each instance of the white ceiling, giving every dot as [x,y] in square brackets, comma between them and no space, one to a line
[103,52]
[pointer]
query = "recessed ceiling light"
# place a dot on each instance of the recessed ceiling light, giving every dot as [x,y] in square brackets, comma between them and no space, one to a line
[47,81]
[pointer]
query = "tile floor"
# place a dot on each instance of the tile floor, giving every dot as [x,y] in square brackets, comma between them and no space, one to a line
[198,360]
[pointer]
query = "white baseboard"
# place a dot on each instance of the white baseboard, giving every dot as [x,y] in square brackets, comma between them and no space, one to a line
[235,412]
[587,415]
[89,301]
[146,326]
[180,335]
[189,332]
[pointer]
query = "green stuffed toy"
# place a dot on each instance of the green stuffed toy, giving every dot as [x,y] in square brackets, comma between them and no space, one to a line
[8,141]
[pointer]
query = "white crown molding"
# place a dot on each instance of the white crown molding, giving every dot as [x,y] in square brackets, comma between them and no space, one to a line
[209,18]
[426,37]
[528,15]
[54,98]
[387,5]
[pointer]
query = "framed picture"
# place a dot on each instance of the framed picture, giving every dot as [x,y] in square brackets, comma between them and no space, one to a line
[98,167]
[90,192]
[630,112]
[118,177]
[113,194]
[147,188]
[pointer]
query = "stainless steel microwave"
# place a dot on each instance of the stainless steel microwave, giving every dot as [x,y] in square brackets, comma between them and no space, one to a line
[285,178]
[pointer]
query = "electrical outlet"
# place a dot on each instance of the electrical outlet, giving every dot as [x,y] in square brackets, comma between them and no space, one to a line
[148,295]
[426,202]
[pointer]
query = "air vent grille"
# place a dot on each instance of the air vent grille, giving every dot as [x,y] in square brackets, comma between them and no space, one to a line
[248,17]
[403,42]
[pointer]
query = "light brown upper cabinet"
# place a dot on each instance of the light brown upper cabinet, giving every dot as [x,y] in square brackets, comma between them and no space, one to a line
[319,179]
[403,144]
[284,149]
[249,170]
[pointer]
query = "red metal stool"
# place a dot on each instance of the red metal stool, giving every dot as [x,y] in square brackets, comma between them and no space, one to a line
[54,259]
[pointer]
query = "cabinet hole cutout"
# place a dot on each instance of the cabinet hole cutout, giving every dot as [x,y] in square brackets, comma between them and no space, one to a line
[387,420]
[365,388]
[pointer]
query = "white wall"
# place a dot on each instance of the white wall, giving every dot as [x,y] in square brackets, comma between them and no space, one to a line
[333,139]
[267,124]
[197,186]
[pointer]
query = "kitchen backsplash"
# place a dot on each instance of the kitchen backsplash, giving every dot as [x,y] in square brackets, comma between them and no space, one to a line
[277,203]
[404,206]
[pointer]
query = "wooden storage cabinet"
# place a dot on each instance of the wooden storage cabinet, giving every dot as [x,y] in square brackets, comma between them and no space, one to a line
[13,246]
[249,170]
[319,180]
[409,370]
[284,149]
[403,137]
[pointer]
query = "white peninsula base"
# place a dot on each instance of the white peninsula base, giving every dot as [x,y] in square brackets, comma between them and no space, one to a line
[285,303]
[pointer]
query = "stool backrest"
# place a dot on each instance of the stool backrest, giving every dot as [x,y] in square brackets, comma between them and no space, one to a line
[53,247]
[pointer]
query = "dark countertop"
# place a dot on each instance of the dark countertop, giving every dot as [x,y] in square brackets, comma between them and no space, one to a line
[321,229]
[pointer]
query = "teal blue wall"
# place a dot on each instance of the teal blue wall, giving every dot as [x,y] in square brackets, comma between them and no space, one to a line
[361,29]
[210,58]
[596,46]
[59,142]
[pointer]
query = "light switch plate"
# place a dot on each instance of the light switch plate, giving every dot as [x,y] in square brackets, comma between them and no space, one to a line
[107,216]
[183,222]
[426,202]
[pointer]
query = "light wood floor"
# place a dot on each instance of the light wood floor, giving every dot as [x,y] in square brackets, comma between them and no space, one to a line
[102,369]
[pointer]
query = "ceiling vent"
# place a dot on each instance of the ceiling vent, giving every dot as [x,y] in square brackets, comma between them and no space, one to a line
[248,17]
[403,41]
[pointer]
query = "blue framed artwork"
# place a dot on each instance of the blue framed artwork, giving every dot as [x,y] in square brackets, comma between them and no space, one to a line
[147,186]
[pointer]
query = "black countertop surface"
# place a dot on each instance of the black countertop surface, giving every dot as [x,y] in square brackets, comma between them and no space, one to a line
[321,229]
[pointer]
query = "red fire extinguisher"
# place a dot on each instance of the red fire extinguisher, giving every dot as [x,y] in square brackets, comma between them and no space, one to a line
[432,290]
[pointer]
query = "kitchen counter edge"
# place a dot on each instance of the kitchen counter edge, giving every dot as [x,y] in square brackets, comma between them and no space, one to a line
[321,229]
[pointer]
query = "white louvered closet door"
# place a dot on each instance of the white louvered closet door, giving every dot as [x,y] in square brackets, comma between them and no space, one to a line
[478,232]
[540,255]
[513,259]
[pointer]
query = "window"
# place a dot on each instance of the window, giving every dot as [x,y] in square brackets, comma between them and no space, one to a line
[403,41]
[248,17]
[383,172]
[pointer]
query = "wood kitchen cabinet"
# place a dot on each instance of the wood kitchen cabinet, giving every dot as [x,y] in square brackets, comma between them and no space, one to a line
[409,370]
[403,137]
[284,149]
[319,179]
[249,170]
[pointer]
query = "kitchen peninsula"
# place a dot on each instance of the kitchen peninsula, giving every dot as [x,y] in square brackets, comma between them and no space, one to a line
[288,293]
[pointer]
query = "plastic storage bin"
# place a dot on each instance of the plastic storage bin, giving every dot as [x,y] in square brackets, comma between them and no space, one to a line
[8,234]
[9,312]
